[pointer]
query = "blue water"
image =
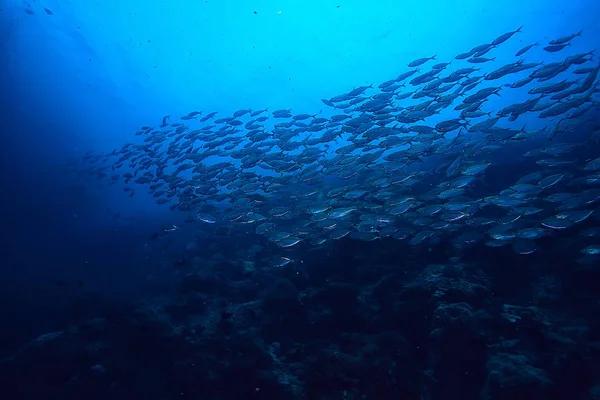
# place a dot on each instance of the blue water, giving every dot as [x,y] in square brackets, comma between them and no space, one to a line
[86,75]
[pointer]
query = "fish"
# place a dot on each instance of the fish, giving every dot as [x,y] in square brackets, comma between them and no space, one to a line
[553,48]
[504,37]
[565,39]
[525,49]
[480,60]
[592,250]
[420,61]
[383,161]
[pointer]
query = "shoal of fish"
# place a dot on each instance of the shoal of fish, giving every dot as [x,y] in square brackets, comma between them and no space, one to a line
[385,164]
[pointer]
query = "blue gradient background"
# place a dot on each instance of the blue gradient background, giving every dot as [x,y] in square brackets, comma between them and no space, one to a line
[88,76]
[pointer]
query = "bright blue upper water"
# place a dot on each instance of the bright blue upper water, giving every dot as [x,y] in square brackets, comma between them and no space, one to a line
[89,75]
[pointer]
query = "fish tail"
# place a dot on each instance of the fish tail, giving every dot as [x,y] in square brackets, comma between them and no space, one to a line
[523,128]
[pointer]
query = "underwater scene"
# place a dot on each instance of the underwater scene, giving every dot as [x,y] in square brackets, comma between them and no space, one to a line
[303,200]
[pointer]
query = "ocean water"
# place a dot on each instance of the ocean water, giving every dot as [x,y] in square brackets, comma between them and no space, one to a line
[287,266]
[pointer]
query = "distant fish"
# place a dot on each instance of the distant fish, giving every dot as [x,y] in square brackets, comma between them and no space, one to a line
[480,60]
[372,171]
[48,11]
[581,71]
[206,218]
[208,116]
[279,262]
[463,56]
[442,65]
[239,113]
[565,39]
[592,250]
[258,112]
[406,75]
[504,37]
[556,47]
[525,49]
[420,61]
[359,90]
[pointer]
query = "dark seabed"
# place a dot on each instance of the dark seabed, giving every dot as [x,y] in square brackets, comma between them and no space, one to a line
[310,200]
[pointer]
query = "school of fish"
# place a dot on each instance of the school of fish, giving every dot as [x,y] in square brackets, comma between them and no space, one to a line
[406,159]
